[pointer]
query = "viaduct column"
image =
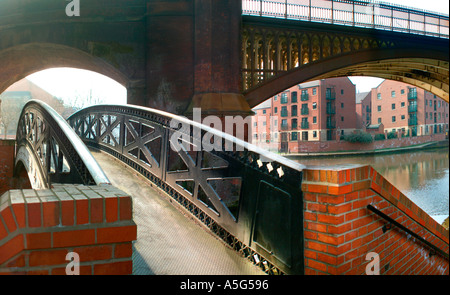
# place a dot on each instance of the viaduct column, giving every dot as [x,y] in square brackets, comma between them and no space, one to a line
[193,57]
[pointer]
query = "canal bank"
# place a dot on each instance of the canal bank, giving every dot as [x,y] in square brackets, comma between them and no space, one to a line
[415,147]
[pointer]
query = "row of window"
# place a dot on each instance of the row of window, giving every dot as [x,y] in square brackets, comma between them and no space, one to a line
[304,95]
[437,103]
[293,136]
[402,104]
[394,119]
[402,91]
[294,109]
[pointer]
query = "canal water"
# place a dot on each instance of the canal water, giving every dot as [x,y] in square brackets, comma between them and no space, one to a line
[423,176]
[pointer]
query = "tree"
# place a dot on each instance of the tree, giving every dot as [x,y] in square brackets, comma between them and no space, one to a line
[10,111]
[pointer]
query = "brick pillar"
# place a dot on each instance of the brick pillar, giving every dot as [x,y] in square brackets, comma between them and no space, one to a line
[38,228]
[7,148]
[339,230]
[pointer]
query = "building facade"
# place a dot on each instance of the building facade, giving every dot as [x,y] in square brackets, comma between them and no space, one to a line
[315,111]
[403,108]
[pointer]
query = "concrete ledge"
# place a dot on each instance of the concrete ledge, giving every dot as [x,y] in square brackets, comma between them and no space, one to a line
[38,228]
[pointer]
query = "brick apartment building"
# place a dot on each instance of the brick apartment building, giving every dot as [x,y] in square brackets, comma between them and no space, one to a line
[315,111]
[16,96]
[402,107]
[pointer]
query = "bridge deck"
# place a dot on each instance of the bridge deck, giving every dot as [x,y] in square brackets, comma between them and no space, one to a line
[169,243]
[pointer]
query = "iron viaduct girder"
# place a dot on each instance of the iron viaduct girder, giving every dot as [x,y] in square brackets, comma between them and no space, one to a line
[278,53]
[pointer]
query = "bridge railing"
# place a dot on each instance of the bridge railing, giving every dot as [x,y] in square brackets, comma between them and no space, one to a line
[51,152]
[249,197]
[368,14]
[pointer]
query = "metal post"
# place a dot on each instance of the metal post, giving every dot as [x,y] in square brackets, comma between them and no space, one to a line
[332,11]
[409,21]
[373,15]
[285,9]
[392,19]
[309,16]
[424,26]
[353,13]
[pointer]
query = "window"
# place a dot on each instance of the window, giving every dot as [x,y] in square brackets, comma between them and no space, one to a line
[284,123]
[379,120]
[342,105]
[294,96]
[314,91]
[431,103]
[315,134]
[379,96]
[264,111]
[294,135]
[294,110]
[439,104]
[314,105]
[402,104]
[403,117]
[284,112]
[393,106]
[402,91]
[393,119]
[264,123]
[342,119]
[379,108]
[275,97]
[255,124]
[342,91]
[392,93]
[294,124]
[314,120]
[305,95]
[367,109]
[304,110]
[284,98]
[275,110]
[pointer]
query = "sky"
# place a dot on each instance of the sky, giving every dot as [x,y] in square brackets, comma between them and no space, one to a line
[68,83]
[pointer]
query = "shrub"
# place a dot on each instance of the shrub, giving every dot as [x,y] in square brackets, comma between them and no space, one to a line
[392,135]
[361,137]
[380,136]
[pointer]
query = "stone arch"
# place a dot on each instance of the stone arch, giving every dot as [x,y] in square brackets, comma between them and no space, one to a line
[20,61]
[428,71]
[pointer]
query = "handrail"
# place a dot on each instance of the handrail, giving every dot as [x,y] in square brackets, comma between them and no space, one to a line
[399,225]
[243,193]
[369,14]
[54,145]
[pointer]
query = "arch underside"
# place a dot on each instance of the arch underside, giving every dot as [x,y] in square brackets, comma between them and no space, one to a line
[28,160]
[427,73]
[20,61]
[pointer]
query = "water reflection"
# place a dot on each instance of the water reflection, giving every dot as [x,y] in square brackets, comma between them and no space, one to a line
[423,176]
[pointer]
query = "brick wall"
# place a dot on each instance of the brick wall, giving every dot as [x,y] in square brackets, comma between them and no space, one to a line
[338,146]
[339,230]
[38,228]
[6,164]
